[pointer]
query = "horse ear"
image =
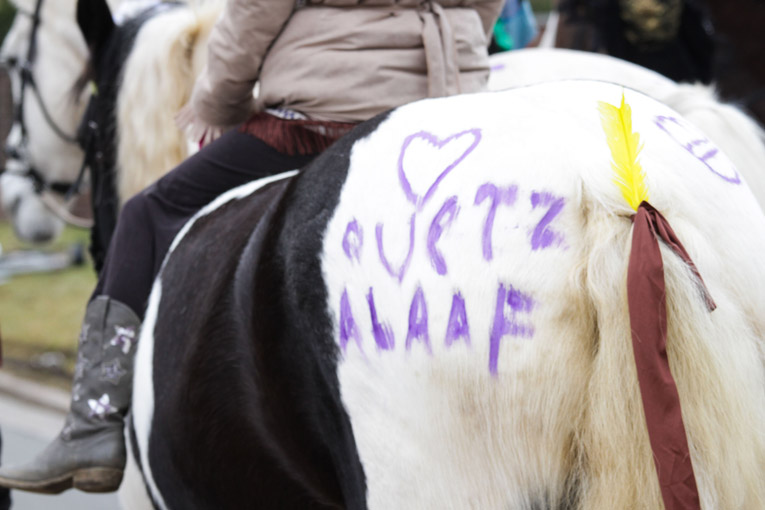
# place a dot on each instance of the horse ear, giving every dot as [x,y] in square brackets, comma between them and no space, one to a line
[96,24]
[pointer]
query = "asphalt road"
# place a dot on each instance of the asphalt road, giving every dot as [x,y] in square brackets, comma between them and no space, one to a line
[26,430]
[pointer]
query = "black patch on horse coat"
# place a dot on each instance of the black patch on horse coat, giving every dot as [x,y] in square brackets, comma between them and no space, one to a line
[110,47]
[247,406]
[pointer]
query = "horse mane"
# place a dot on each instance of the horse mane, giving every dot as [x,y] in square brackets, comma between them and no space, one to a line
[156,83]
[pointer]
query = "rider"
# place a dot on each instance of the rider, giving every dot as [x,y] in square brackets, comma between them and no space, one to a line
[323,66]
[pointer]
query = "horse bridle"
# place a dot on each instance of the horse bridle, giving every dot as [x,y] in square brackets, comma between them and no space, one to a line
[41,185]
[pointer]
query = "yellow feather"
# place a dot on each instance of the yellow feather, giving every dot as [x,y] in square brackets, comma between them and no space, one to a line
[625,149]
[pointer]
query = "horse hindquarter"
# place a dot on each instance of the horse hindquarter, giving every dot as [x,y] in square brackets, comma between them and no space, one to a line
[476,274]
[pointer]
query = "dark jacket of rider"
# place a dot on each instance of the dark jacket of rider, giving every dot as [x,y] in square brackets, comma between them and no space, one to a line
[341,60]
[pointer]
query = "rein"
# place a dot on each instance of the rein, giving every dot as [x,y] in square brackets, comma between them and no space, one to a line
[43,187]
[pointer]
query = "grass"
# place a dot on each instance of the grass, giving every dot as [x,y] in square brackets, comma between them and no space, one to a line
[42,312]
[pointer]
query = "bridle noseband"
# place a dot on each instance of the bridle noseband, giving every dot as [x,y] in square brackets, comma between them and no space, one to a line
[19,152]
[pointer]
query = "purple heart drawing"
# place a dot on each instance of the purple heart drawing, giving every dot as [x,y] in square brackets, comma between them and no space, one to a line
[438,144]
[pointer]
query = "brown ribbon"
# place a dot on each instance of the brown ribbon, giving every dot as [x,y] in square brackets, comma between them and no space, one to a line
[648,321]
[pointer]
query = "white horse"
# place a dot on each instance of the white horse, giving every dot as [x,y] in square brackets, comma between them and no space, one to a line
[59,57]
[51,114]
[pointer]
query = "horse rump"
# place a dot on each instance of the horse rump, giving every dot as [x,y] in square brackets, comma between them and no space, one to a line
[434,314]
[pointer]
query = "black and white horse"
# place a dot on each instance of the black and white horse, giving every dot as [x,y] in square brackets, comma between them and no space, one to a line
[433,315]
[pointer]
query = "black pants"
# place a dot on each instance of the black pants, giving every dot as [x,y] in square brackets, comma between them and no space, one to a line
[149,222]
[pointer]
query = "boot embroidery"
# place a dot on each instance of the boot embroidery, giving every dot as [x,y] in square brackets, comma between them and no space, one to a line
[80,366]
[101,408]
[84,333]
[124,338]
[66,432]
[112,371]
[76,390]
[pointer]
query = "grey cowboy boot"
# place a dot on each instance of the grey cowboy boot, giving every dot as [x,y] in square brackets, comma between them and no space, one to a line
[89,452]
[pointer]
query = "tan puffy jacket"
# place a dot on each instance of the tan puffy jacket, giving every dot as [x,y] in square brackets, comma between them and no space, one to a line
[342,60]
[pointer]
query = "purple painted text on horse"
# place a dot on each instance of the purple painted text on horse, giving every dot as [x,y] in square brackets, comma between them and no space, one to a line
[511,313]
[382,332]
[348,328]
[401,271]
[420,200]
[701,148]
[519,304]
[458,322]
[498,196]
[543,236]
[511,316]
[418,321]
[445,216]
[353,240]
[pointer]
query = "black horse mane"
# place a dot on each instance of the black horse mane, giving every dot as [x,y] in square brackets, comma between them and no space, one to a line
[97,133]
[114,55]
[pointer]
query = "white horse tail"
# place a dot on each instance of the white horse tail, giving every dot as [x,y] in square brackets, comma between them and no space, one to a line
[157,81]
[715,358]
